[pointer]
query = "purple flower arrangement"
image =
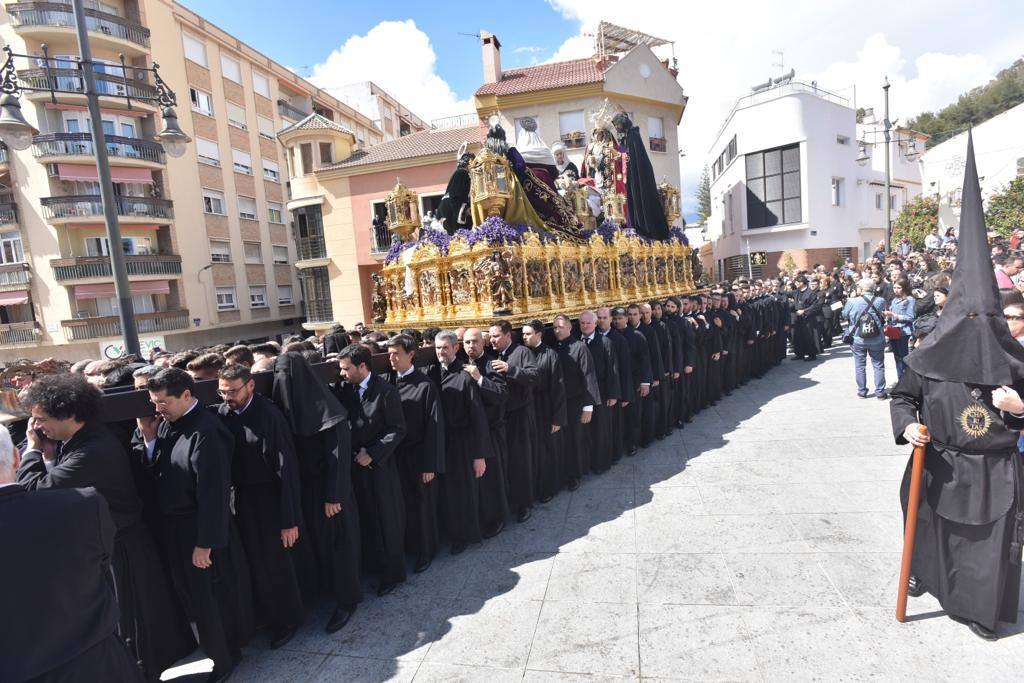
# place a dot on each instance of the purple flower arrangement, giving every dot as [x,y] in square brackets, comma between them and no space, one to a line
[396,249]
[679,236]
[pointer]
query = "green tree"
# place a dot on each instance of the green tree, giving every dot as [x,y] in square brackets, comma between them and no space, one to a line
[916,220]
[1005,212]
[704,196]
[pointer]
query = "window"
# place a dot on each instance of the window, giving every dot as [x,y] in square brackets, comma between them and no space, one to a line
[253,252]
[656,133]
[258,297]
[271,171]
[201,101]
[226,299]
[213,202]
[306,149]
[326,153]
[247,208]
[11,250]
[275,213]
[837,192]
[242,161]
[878,201]
[231,69]
[724,159]
[208,151]
[572,129]
[842,140]
[236,116]
[773,187]
[284,295]
[280,254]
[195,49]
[100,246]
[220,251]
[265,127]
[261,84]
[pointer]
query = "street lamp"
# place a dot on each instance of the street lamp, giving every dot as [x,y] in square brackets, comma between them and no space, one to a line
[17,134]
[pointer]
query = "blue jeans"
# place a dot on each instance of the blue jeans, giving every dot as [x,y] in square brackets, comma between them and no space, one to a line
[860,357]
[900,349]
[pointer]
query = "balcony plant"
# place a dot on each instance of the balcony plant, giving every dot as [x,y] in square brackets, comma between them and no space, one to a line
[574,139]
[658,144]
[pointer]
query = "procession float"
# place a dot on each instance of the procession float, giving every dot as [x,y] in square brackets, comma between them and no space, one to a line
[522,234]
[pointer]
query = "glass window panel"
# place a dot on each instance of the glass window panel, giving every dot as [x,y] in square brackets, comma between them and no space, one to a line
[260,84]
[773,213]
[773,188]
[756,188]
[231,69]
[792,210]
[791,158]
[791,185]
[266,126]
[755,165]
[772,162]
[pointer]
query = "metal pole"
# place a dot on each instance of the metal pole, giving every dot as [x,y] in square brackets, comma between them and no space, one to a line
[125,310]
[750,266]
[888,177]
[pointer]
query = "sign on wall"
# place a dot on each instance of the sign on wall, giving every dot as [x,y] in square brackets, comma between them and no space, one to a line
[115,349]
[759,258]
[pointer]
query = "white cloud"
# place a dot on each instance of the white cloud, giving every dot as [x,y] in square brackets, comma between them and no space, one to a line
[397,56]
[724,48]
[528,48]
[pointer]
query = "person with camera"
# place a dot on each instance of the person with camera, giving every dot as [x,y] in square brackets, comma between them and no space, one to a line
[865,337]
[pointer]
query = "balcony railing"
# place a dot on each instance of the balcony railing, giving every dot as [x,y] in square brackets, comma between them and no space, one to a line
[319,311]
[380,239]
[14,274]
[91,206]
[80,144]
[311,248]
[79,267]
[61,15]
[8,213]
[19,333]
[70,80]
[110,326]
[285,109]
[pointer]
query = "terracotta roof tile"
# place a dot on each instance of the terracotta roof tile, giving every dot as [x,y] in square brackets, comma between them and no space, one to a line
[544,77]
[316,122]
[424,143]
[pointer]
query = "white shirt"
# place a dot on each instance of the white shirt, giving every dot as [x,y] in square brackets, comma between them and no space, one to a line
[245,407]
[412,368]
[364,385]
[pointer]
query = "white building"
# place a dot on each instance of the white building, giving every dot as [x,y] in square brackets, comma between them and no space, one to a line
[998,151]
[785,180]
[393,118]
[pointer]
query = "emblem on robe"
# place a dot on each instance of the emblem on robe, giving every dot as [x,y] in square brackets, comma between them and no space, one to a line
[975,421]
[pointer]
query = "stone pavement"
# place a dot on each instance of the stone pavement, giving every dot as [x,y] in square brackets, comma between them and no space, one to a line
[761,544]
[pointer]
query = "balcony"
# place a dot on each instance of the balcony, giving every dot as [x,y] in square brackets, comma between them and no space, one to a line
[287,111]
[380,239]
[319,312]
[72,208]
[3,154]
[71,88]
[85,267]
[110,326]
[45,20]
[8,212]
[52,146]
[19,333]
[311,248]
[14,276]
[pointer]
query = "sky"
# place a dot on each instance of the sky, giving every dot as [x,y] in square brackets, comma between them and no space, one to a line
[428,56]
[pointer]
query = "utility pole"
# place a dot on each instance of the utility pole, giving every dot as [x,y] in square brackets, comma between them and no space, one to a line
[888,172]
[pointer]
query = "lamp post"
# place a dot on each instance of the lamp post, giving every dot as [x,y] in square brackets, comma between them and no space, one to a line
[17,133]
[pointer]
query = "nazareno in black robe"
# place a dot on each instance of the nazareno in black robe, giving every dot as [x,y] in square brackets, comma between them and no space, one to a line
[597,455]
[328,553]
[549,408]
[265,474]
[492,487]
[617,413]
[643,203]
[151,622]
[520,424]
[466,439]
[420,452]
[969,532]
[581,390]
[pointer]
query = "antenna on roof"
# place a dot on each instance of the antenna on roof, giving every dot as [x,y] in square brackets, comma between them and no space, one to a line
[471,35]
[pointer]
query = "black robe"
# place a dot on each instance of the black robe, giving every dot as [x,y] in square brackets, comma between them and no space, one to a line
[641,372]
[520,424]
[606,369]
[466,439]
[192,457]
[492,487]
[650,406]
[328,553]
[617,413]
[645,212]
[805,331]
[970,522]
[420,452]
[667,387]
[151,622]
[677,406]
[378,425]
[581,390]
[454,209]
[268,499]
[549,407]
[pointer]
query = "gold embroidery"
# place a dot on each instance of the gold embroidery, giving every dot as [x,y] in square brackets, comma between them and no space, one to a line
[975,421]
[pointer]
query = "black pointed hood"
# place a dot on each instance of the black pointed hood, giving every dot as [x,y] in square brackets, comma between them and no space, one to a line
[971,342]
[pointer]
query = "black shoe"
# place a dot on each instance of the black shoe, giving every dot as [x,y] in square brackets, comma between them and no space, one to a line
[524,514]
[422,563]
[882,397]
[219,676]
[573,484]
[339,618]
[862,395]
[489,532]
[386,587]
[976,628]
[915,588]
[281,638]
[811,358]
[458,548]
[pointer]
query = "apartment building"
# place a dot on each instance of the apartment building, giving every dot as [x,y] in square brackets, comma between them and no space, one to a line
[388,114]
[207,236]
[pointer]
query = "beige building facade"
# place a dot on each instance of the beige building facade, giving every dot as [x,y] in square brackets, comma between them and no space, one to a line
[208,241]
[394,119]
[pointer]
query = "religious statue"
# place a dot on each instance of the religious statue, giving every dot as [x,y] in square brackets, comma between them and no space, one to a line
[644,210]
[380,299]
[599,160]
[495,271]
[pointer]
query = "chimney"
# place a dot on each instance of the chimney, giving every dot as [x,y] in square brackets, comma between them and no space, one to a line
[492,57]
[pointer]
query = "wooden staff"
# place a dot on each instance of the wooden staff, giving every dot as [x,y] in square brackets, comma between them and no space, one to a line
[910,529]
